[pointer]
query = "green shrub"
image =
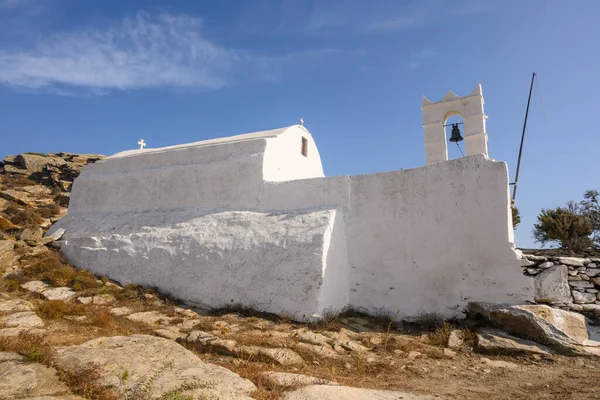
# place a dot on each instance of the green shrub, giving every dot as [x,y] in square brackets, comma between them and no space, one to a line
[567,226]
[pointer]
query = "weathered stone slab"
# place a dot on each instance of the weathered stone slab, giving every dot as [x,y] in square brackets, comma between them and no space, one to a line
[25,380]
[147,357]
[59,293]
[583,298]
[206,342]
[328,392]
[564,330]
[492,341]
[25,319]
[152,318]
[324,351]
[552,286]
[286,379]
[16,305]
[573,261]
[313,338]
[272,355]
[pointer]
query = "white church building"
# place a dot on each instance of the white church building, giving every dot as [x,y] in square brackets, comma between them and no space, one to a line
[252,220]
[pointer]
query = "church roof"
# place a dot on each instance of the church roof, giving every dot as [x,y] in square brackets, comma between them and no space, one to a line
[211,142]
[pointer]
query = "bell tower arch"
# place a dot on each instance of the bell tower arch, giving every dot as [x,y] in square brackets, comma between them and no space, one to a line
[470,108]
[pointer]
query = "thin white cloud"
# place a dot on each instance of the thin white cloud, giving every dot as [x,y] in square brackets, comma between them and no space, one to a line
[417,59]
[139,52]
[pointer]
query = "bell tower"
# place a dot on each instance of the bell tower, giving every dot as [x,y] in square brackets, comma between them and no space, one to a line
[470,108]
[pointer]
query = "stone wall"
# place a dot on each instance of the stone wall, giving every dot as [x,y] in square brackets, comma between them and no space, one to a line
[569,283]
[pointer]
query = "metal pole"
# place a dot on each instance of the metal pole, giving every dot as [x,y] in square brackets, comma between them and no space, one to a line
[516,182]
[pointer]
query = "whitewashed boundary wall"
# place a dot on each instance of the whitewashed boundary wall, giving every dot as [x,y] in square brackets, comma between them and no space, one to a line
[429,239]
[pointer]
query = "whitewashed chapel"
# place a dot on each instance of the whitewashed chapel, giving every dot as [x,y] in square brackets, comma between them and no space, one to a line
[252,220]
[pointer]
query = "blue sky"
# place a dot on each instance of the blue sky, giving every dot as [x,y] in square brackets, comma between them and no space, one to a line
[95,76]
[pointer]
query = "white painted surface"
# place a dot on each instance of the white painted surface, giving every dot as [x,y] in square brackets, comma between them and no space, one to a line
[194,221]
[279,263]
[435,116]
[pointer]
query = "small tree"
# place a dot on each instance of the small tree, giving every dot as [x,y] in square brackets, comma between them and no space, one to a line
[590,207]
[567,226]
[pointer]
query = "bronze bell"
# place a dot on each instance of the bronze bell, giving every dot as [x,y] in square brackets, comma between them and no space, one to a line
[456,137]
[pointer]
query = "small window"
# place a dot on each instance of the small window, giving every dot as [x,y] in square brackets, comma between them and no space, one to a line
[305,147]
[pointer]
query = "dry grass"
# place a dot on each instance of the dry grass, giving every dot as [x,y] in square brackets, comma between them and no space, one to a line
[57,309]
[80,383]
[14,181]
[26,217]
[32,347]
[48,210]
[8,227]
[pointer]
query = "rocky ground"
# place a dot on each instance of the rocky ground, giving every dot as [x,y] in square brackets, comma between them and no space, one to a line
[67,334]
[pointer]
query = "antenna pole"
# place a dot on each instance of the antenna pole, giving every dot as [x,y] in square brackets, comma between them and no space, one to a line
[522,140]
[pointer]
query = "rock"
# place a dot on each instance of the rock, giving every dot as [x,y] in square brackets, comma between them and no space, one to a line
[328,392]
[10,356]
[581,284]
[455,339]
[25,319]
[50,293]
[206,342]
[573,276]
[12,306]
[6,251]
[498,363]
[575,307]
[592,272]
[491,341]
[286,379]
[590,307]
[449,353]
[592,265]
[29,234]
[271,355]
[57,234]
[534,258]
[152,318]
[551,286]
[20,380]
[595,281]
[526,263]
[564,330]
[324,351]
[351,345]
[313,338]
[545,265]
[533,271]
[572,261]
[167,333]
[591,291]
[85,300]
[120,311]
[13,332]
[582,298]
[414,355]
[585,278]
[103,299]
[59,293]
[160,364]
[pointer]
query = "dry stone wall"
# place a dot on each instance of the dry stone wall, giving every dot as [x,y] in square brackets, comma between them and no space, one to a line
[569,283]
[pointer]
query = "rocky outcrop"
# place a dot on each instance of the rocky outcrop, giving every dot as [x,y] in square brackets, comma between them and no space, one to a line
[152,365]
[52,169]
[22,380]
[565,331]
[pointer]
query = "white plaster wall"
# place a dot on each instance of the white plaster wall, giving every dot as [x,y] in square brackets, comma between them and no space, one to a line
[291,263]
[428,239]
[227,175]
[283,160]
